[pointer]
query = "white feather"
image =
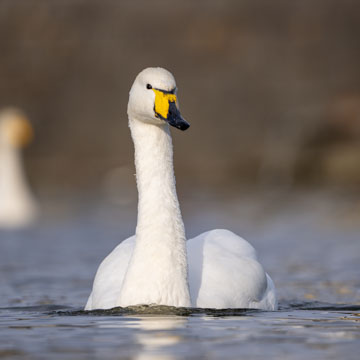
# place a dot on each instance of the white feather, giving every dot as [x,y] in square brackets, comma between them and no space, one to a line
[18,207]
[217,269]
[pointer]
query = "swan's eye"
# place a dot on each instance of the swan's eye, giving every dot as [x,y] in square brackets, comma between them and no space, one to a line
[148,86]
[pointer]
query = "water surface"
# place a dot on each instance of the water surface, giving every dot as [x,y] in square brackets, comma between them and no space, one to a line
[309,244]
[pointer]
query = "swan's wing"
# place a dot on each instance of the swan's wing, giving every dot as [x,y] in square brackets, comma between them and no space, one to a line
[269,300]
[228,241]
[224,272]
[109,276]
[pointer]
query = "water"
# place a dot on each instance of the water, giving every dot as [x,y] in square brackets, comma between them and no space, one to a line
[42,333]
[309,244]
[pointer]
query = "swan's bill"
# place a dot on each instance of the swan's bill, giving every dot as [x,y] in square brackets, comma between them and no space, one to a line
[165,108]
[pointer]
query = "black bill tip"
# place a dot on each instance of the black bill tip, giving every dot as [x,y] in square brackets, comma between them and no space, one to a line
[175,119]
[184,125]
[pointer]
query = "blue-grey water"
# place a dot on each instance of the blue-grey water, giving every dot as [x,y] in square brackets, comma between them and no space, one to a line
[309,243]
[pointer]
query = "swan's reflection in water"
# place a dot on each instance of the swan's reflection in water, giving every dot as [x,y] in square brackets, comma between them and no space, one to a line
[156,335]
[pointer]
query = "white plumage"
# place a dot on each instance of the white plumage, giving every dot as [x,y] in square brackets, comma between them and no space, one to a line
[217,269]
[17,205]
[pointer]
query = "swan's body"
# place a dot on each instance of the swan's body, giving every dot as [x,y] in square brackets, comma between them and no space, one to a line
[223,273]
[217,269]
[17,205]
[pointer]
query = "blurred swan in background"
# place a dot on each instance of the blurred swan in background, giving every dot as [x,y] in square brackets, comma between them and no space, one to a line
[217,269]
[18,207]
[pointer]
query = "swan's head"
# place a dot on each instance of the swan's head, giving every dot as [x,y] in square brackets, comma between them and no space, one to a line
[153,99]
[15,128]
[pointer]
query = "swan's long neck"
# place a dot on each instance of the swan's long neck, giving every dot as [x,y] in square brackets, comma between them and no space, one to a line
[157,272]
[16,202]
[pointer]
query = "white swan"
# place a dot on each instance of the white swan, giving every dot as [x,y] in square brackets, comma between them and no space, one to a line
[17,205]
[217,269]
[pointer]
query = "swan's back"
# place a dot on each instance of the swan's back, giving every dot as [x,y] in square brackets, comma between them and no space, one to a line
[224,273]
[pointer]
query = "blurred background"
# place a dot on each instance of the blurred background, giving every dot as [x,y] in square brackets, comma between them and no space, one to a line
[271,89]
[272,92]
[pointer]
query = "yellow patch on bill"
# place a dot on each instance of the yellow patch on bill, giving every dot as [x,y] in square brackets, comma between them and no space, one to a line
[162,101]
